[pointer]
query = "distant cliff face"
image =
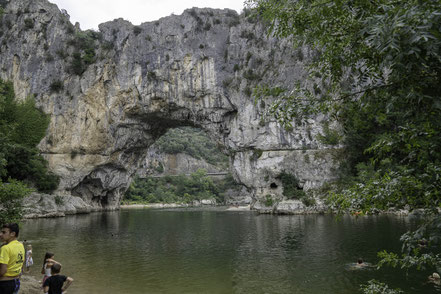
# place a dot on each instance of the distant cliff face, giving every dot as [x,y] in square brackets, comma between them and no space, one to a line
[112,93]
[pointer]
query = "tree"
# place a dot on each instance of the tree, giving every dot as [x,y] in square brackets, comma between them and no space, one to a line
[11,195]
[22,126]
[380,65]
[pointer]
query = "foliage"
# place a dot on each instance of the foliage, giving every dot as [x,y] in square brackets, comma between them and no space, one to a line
[84,43]
[21,122]
[56,86]
[330,136]
[29,24]
[308,200]
[379,63]
[59,200]
[269,200]
[11,195]
[193,142]
[381,60]
[375,287]
[77,65]
[173,189]
[291,188]
[420,247]
[22,126]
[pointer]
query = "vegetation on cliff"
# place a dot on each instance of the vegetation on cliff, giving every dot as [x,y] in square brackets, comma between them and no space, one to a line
[178,189]
[22,126]
[182,188]
[379,65]
[193,142]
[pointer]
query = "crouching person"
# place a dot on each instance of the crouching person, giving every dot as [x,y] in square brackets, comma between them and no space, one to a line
[56,284]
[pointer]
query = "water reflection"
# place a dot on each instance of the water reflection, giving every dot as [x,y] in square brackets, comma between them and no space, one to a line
[217,251]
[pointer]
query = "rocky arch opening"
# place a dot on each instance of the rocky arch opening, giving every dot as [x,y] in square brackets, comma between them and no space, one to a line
[136,151]
[184,150]
[183,166]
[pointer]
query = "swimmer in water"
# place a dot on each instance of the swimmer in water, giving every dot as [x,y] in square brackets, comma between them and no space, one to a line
[435,279]
[360,264]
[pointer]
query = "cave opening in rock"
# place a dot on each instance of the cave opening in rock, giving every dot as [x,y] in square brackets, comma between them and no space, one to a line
[273,186]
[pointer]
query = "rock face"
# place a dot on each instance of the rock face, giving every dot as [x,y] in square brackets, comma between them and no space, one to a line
[112,93]
[158,163]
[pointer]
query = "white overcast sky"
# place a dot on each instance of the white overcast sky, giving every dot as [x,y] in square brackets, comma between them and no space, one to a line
[90,13]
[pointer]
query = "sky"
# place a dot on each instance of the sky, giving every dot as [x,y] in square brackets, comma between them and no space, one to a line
[90,13]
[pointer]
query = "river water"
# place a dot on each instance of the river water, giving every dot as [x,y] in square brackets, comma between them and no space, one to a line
[219,251]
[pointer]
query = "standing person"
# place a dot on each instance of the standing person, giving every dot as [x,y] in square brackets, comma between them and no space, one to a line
[56,284]
[48,262]
[29,261]
[11,259]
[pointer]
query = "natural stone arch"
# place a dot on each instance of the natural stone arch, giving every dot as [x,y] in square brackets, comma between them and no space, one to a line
[106,183]
[164,74]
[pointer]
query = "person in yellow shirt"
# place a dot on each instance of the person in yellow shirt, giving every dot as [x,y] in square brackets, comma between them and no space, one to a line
[11,259]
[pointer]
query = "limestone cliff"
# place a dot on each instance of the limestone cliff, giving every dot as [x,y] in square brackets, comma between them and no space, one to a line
[112,93]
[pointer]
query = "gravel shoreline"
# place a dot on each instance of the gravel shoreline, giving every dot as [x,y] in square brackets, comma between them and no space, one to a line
[29,285]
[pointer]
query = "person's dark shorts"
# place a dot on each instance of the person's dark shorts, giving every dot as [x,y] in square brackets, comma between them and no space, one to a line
[7,287]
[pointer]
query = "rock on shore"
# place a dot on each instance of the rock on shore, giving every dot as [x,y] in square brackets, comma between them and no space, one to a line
[45,205]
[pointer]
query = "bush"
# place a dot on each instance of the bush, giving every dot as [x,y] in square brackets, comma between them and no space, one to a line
[11,196]
[375,287]
[29,24]
[85,44]
[269,200]
[308,201]
[56,86]
[59,200]
[329,137]
[291,188]
[77,65]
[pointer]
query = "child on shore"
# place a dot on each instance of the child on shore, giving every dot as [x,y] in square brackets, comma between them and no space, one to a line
[56,283]
[29,261]
[47,265]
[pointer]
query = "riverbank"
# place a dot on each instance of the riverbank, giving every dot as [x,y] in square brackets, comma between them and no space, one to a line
[202,203]
[180,205]
[49,206]
[29,285]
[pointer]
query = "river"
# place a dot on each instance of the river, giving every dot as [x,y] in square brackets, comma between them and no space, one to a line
[219,251]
